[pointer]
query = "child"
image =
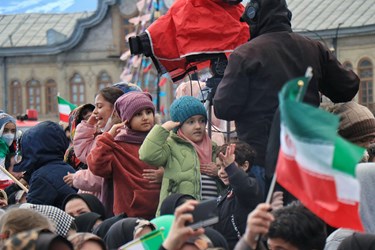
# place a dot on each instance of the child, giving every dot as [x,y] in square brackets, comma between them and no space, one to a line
[243,193]
[115,154]
[185,153]
[43,148]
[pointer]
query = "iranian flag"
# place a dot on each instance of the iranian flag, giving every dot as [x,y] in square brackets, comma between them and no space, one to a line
[65,108]
[315,164]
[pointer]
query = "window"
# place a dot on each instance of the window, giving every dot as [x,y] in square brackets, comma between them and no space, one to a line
[16,98]
[365,73]
[127,28]
[33,95]
[77,89]
[348,65]
[51,99]
[104,80]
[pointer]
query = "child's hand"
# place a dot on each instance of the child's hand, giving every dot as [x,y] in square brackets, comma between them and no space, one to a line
[229,156]
[116,129]
[68,179]
[169,125]
[209,169]
[92,119]
[153,175]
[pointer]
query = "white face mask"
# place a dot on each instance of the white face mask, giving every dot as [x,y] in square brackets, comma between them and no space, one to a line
[8,138]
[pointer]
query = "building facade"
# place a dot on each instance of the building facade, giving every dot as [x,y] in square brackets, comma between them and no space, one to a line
[75,55]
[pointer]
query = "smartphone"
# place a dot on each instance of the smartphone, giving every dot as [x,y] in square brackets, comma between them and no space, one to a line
[205,214]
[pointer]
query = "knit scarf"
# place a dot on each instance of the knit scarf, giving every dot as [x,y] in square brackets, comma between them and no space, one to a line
[131,136]
[203,148]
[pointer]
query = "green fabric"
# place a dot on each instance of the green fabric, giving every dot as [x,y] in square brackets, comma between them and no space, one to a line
[316,126]
[179,159]
[4,149]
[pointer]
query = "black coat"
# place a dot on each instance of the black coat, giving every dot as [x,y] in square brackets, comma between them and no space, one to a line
[257,70]
[43,147]
[236,203]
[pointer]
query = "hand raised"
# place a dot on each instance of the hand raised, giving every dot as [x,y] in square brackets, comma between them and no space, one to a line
[169,125]
[116,128]
[229,156]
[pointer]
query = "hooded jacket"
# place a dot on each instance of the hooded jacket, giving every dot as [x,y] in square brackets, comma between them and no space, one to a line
[258,69]
[43,147]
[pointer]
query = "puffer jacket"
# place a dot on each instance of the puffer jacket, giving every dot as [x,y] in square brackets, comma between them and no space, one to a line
[43,147]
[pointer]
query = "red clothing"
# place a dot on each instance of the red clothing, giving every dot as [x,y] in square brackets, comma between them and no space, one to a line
[133,194]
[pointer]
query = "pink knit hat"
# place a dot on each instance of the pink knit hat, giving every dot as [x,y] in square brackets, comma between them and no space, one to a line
[130,103]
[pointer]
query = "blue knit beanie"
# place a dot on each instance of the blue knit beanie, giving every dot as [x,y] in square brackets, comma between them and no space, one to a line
[185,107]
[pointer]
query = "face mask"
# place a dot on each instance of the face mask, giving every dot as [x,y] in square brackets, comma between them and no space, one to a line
[8,138]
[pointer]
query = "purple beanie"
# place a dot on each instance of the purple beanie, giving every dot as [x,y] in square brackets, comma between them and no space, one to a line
[130,103]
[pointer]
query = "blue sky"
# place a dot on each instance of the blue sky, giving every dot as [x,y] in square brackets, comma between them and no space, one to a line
[46,6]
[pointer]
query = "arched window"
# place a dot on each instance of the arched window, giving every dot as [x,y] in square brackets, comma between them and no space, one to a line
[51,99]
[103,80]
[365,73]
[33,95]
[16,98]
[348,65]
[77,87]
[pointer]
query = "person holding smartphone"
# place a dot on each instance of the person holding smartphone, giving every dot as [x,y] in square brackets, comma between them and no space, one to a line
[243,193]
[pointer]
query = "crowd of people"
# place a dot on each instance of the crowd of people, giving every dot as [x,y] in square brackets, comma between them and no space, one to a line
[122,174]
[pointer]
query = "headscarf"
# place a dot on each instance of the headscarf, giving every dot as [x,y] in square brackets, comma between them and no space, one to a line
[171,202]
[122,232]
[358,241]
[61,220]
[86,221]
[35,239]
[79,239]
[103,228]
[92,202]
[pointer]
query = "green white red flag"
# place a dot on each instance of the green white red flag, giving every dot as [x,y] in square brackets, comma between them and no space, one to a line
[315,164]
[65,108]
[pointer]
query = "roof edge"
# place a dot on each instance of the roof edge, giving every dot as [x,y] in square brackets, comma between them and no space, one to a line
[79,30]
[338,32]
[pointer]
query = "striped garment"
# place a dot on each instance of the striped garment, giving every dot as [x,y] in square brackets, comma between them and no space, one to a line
[209,188]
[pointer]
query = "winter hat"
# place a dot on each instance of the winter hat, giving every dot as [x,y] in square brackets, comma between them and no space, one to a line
[130,103]
[4,119]
[185,107]
[357,123]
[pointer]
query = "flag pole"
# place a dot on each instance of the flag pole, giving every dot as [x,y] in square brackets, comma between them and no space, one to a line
[14,179]
[299,98]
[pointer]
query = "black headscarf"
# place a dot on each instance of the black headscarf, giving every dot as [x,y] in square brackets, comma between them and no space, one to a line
[170,203]
[85,222]
[92,202]
[103,228]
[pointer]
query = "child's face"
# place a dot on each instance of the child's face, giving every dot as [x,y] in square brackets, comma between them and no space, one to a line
[143,121]
[194,128]
[222,174]
[103,110]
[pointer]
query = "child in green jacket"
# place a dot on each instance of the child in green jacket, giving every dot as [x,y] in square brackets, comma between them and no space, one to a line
[184,149]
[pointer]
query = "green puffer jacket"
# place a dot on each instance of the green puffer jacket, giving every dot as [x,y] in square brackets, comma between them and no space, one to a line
[180,161]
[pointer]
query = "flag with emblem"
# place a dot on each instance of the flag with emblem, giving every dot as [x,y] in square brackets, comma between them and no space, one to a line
[315,164]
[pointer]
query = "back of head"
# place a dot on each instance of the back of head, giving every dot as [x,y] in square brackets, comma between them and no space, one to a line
[357,122]
[120,233]
[86,221]
[63,222]
[243,152]
[131,103]
[185,107]
[298,226]
[264,16]
[358,241]
[171,202]
[16,220]
[37,239]
[42,143]
[110,94]
[79,239]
